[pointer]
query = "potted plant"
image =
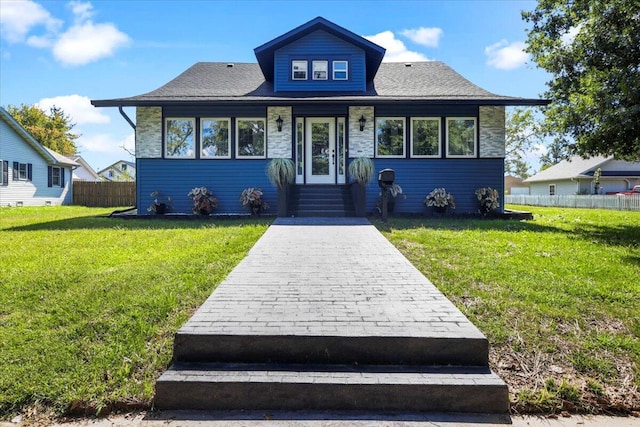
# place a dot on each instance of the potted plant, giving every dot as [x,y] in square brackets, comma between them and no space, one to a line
[203,201]
[488,200]
[395,190]
[440,199]
[160,203]
[251,199]
[361,169]
[282,174]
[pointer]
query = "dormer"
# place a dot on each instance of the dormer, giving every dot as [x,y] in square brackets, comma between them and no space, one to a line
[319,56]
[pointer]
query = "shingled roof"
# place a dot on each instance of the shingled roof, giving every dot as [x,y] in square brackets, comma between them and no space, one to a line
[213,82]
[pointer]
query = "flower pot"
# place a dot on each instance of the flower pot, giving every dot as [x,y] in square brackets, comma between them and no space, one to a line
[358,192]
[441,209]
[283,200]
[160,208]
[256,209]
[204,212]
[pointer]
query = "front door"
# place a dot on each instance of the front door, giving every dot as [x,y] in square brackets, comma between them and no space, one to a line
[320,151]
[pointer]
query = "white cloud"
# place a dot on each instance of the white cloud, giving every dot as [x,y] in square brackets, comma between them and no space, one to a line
[506,56]
[82,11]
[568,37]
[77,107]
[88,42]
[396,50]
[106,144]
[18,18]
[429,37]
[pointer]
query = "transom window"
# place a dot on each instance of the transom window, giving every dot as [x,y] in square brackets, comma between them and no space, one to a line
[461,137]
[320,70]
[215,138]
[250,138]
[425,137]
[180,138]
[299,70]
[390,137]
[340,70]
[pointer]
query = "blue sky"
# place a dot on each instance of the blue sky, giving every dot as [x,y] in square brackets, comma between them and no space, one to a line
[69,52]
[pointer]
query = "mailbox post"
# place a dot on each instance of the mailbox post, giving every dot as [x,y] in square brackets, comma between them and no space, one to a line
[386,177]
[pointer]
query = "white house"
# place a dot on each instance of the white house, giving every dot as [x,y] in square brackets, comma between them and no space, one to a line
[576,176]
[84,172]
[31,174]
[119,171]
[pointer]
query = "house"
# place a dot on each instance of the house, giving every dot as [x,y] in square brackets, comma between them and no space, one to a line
[321,96]
[31,174]
[576,176]
[119,171]
[515,185]
[84,172]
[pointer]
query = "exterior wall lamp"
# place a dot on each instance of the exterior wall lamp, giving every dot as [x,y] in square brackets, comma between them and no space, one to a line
[362,121]
[279,123]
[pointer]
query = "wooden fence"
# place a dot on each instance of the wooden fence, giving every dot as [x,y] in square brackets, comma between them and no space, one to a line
[104,194]
[622,203]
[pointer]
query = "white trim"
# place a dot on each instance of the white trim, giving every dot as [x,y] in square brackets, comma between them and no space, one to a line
[404,139]
[298,63]
[475,138]
[53,177]
[329,178]
[26,172]
[217,119]
[438,120]
[299,151]
[193,137]
[264,137]
[2,172]
[346,69]
[341,155]
[326,69]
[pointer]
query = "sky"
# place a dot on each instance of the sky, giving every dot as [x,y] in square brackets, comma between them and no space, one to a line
[66,53]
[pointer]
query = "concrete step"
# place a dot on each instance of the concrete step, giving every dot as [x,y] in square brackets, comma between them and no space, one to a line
[438,349]
[335,387]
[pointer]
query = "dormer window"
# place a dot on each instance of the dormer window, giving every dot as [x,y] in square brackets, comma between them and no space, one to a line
[299,70]
[320,70]
[340,70]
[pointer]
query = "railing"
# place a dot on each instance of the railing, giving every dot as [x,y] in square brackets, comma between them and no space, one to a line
[104,193]
[623,203]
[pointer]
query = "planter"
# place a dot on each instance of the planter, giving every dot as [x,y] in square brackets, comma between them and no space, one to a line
[204,212]
[283,200]
[359,195]
[160,208]
[440,209]
[256,209]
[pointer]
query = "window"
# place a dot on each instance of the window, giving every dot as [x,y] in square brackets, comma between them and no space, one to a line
[461,137]
[340,70]
[320,69]
[215,138]
[250,138]
[299,70]
[123,167]
[299,149]
[55,176]
[4,173]
[425,137]
[179,138]
[552,189]
[389,137]
[22,171]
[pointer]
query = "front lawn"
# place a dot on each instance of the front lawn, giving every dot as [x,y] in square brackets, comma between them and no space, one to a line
[558,297]
[89,305]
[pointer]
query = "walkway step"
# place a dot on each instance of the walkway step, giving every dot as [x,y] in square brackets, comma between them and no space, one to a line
[309,387]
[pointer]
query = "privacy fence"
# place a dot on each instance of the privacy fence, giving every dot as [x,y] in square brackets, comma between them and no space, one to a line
[623,203]
[104,194]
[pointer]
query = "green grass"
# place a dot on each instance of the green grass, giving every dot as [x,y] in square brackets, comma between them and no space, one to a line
[89,305]
[557,297]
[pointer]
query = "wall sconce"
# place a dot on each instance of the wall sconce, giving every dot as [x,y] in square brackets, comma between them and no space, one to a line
[279,123]
[362,121]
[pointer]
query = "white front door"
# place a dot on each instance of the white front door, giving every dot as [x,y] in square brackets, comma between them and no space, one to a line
[320,151]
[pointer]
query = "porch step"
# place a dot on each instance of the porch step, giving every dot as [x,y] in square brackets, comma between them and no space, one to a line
[321,200]
[336,387]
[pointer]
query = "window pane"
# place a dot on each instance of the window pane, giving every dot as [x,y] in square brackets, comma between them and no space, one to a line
[300,149]
[340,69]
[251,138]
[55,177]
[425,135]
[461,134]
[22,171]
[341,148]
[179,138]
[390,137]
[320,70]
[299,70]
[215,137]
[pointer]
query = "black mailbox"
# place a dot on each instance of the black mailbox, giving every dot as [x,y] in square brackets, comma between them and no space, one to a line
[386,178]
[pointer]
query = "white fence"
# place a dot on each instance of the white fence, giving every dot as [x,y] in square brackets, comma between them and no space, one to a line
[622,203]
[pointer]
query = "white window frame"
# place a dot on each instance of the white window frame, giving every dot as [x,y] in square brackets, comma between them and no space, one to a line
[193,136]
[264,140]
[3,172]
[426,156]
[54,182]
[217,119]
[345,71]
[319,63]
[299,63]
[404,139]
[22,166]
[475,138]
[552,189]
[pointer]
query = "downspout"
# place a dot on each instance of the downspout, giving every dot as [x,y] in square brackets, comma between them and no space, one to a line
[123,114]
[133,126]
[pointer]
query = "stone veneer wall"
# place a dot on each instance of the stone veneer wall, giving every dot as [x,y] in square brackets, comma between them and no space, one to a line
[492,133]
[149,132]
[279,143]
[361,144]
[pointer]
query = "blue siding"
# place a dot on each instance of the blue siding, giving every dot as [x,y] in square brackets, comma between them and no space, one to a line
[320,45]
[225,178]
[460,177]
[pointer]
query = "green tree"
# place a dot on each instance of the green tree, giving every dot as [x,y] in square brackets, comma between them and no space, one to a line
[52,129]
[592,50]
[522,132]
[556,152]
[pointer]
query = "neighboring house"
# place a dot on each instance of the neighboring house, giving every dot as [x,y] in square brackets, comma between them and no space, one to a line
[515,185]
[84,172]
[576,176]
[119,171]
[319,95]
[31,174]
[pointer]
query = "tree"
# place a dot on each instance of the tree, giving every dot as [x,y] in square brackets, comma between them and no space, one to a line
[592,50]
[522,133]
[556,152]
[53,130]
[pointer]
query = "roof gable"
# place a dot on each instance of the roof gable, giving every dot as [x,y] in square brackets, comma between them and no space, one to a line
[575,167]
[265,53]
